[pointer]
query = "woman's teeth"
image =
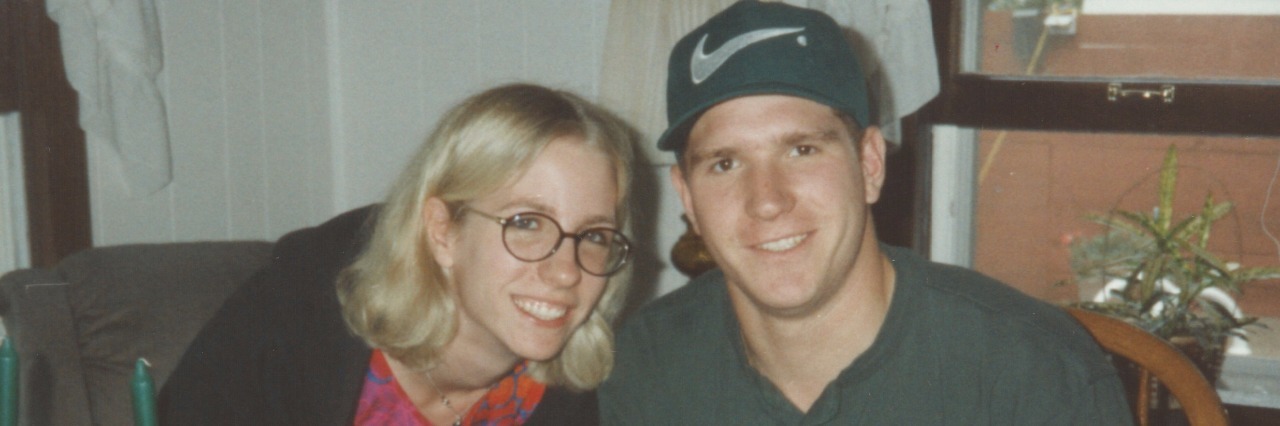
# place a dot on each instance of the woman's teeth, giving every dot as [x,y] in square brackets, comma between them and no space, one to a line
[541,310]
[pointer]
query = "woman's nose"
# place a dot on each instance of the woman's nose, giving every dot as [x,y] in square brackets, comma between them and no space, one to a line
[561,268]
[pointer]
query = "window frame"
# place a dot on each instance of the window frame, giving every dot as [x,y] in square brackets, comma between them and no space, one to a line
[969,102]
[1221,107]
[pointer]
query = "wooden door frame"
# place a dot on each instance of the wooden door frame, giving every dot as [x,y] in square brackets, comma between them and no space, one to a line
[33,82]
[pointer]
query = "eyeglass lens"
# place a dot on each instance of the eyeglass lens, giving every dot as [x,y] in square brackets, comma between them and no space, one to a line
[532,237]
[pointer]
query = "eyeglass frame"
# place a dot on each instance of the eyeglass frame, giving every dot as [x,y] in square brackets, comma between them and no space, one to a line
[577,239]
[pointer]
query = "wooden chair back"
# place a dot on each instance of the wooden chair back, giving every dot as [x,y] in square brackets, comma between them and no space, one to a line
[1156,357]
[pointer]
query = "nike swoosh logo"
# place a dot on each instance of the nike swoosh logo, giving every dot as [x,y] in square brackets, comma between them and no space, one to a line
[703,65]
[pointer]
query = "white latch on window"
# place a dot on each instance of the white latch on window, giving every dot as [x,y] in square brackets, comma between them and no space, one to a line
[1115,91]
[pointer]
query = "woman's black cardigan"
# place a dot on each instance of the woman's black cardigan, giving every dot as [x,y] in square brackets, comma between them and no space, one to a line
[279,353]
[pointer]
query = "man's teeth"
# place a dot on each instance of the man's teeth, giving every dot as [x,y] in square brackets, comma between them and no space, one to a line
[541,310]
[783,244]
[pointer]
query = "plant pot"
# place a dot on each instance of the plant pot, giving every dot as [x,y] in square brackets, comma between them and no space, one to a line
[1159,401]
[1208,360]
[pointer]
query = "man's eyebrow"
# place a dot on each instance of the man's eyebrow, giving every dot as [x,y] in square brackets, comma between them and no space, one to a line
[698,156]
[821,135]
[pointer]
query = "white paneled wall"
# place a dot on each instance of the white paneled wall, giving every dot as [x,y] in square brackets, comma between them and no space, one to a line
[245,83]
[403,63]
[283,113]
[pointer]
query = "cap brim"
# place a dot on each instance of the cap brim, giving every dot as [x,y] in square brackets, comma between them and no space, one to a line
[674,138]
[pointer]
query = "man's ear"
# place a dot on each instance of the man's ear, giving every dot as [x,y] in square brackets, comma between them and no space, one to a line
[682,188]
[439,228]
[873,163]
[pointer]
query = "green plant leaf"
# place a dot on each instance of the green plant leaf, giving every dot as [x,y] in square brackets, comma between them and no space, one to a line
[1245,275]
[1123,221]
[1147,250]
[1168,182]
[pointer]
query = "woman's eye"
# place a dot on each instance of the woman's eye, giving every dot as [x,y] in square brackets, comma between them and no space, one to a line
[526,223]
[595,236]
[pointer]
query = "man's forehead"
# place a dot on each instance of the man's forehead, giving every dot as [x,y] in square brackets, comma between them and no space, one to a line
[722,109]
[729,127]
[790,99]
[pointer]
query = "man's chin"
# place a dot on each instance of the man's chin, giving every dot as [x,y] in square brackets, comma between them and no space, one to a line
[787,298]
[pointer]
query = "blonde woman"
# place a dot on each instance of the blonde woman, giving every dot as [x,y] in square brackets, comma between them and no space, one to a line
[480,292]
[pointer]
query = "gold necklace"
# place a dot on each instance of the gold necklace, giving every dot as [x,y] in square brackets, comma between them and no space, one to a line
[457,417]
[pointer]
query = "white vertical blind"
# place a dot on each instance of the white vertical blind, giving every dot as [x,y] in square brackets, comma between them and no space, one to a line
[14,247]
[15,250]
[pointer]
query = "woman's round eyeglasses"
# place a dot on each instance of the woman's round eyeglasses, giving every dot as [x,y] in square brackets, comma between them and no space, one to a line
[532,237]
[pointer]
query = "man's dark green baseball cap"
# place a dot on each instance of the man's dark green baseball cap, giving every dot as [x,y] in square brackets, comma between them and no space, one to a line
[755,48]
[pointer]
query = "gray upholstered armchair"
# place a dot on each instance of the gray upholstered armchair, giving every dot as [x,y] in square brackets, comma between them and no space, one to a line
[80,326]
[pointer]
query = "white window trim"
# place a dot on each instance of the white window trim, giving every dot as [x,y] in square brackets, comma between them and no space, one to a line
[15,247]
[952,198]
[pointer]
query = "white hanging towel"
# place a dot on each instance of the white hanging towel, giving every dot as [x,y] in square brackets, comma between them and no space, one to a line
[113,56]
[895,41]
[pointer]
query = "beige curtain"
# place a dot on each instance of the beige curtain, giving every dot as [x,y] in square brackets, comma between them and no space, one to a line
[893,37]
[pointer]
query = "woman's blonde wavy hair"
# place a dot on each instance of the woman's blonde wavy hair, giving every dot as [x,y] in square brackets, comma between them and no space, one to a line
[394,295]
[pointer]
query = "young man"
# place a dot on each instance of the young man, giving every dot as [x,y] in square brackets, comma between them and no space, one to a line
[810,319]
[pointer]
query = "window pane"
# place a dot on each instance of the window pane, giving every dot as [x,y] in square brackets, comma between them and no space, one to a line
[1158,39]
[1036,190]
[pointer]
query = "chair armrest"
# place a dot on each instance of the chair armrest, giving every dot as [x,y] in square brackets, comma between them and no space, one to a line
[40,324]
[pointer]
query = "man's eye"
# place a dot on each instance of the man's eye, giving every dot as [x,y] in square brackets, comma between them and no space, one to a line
[723,165]
[803,150]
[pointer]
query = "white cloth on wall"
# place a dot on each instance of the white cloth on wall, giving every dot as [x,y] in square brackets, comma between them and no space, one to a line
[895,42]
[113,57]
[633,80]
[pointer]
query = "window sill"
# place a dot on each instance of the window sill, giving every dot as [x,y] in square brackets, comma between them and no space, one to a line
[1254,380]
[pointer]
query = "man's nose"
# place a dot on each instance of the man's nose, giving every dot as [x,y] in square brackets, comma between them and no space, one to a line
[768,192]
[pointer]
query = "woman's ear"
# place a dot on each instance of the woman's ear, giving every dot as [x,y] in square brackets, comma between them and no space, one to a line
[438,221]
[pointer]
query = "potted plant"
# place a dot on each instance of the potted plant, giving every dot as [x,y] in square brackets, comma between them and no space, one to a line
[1160,273]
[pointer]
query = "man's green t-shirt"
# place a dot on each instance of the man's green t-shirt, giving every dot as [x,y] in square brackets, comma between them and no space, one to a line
[956,347]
